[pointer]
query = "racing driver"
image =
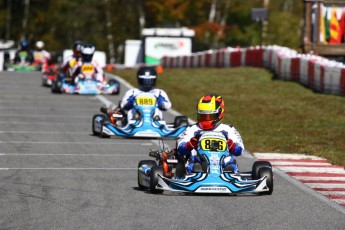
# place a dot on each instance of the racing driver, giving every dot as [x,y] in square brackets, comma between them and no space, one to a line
[146,77]
[210,112]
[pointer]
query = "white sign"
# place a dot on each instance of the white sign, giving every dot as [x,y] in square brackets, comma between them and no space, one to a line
[157,47]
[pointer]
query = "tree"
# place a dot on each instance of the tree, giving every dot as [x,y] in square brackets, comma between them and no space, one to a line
[217,23]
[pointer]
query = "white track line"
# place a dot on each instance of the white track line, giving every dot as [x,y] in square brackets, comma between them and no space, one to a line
[72,154]
[39,123]
[44,108]
[41,115]
[65,102]
[46,132]
[84,143]
[68,168]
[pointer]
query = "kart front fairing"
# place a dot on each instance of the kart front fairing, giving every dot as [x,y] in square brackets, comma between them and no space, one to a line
[88,86]
[22,66]
[138,128]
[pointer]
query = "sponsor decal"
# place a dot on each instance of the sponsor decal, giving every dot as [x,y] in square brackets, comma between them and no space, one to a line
[213,189]
[214,160]
[169,46]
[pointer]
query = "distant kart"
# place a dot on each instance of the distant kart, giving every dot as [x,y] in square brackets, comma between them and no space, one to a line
[22,63]
[143,125]
[168,171]
[87,85]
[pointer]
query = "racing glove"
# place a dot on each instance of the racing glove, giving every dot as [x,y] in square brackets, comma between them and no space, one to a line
[192,144]
[234,148]
[160,102]
[130,103]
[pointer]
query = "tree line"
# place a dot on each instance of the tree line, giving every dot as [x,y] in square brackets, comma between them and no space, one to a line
[108,23]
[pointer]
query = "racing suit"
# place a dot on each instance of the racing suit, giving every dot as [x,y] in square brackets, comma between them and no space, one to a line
[98,74]
[230,133]
[68,64]
[128,99]
[42,57]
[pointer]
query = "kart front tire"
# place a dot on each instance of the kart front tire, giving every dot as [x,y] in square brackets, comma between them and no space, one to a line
[256,166]
[180,121]
[106,119]
[141,163]
[95,133]
[56,86]
[267,172]
[155,170]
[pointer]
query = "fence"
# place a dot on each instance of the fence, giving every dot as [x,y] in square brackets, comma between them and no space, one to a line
[318,73]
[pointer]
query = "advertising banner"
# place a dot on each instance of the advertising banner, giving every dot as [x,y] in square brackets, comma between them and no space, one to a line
[157,47]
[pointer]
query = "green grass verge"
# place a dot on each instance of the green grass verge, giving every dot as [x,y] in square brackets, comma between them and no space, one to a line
[271,115]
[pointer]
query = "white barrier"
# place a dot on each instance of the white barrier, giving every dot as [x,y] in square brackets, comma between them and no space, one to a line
[316,72]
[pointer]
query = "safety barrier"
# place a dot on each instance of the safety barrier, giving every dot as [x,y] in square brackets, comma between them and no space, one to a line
[318,73]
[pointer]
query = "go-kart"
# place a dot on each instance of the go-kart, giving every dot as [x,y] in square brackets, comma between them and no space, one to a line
[86,84]
[168,171]
[22,63]
[143,123]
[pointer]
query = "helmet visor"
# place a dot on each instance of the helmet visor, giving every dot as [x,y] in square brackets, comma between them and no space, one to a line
[206,116]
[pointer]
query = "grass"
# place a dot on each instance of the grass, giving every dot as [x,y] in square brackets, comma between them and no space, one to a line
[271,115]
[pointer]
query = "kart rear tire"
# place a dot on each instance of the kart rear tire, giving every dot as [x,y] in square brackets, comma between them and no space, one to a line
[56,86]
[180,121]
[256,166]
[266,171]
[44,82]
[144,162]
[155,170]
[95,133]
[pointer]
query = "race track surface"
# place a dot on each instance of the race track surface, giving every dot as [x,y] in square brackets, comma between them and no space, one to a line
[54,174]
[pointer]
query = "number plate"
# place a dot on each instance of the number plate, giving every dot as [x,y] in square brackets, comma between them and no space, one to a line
[87,69]
[145,101]
[213,144]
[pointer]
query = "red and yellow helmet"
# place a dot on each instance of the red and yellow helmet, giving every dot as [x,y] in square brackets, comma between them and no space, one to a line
[210,111]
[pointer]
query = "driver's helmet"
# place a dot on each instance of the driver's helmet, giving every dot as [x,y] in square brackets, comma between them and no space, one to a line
[210,111]
[24,45]
[87,51]
[146,77]
[40,45]
[77,48]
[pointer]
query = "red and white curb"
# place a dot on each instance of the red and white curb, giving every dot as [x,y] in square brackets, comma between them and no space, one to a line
[315,172]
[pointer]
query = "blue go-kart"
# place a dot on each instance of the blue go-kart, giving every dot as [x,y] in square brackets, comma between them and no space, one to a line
[143,124]
[168,173]
[86,84]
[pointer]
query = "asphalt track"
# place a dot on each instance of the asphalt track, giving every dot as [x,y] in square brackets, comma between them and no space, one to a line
[54,174]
